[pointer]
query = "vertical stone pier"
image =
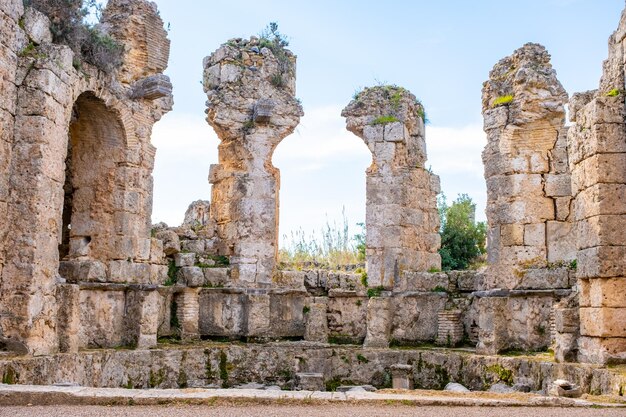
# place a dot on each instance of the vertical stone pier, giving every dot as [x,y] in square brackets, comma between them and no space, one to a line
[252,107]
[597,145]
[528,182]
[402,220]
[528,199]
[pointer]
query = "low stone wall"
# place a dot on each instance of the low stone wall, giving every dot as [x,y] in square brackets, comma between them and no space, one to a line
[225,365]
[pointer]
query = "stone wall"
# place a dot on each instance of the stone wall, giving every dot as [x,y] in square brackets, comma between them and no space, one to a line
[252,107]
[79,168]
[402,220]
[213,365]
[597,143]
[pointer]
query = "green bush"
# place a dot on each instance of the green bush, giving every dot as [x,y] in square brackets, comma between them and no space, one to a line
[462,240]
[69,26]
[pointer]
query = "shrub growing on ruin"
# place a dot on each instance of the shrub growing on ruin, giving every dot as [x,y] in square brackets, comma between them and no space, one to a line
[68,24]
[462,239]
[502,101]
[276,42]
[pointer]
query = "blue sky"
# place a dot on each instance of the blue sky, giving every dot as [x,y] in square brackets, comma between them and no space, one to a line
[441,51]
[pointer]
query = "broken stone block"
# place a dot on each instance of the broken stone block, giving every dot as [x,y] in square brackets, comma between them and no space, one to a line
[191,276]
[37,26]
[563,388]
[455,387]
[215,277]
[182,259]
[402,376]
[152,87]
[263,110]
[316,321]
[379,319]
[309,381]
[171,241]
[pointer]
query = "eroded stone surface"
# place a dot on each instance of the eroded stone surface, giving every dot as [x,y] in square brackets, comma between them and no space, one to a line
[243,80]
[401,210]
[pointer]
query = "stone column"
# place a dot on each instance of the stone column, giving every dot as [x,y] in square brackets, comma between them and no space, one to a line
[401,214]
[528,197]
[528,183]
[597,144]
[252,107]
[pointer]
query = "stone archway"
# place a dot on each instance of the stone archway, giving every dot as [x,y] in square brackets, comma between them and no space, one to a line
[96,145]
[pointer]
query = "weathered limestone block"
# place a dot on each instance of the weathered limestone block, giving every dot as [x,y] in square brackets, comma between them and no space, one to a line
[347,316]
[222,312]
[415,315]
[101,318]
[401,376]
[142,318]
[514,322]
[245,184]
[171,241]
[379,321]
[37,26]
[188,313]
[401,215]
[316,323]
[68,317]
[286,317]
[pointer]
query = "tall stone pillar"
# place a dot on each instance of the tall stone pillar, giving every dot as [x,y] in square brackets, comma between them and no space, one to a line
[252,107]
[402,221]
[528,182]
[597,145]
[528,200]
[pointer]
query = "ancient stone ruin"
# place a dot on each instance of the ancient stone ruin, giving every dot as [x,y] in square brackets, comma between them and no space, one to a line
[92,293]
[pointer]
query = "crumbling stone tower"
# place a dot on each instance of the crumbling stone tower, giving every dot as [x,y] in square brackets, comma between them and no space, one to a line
[401,215]
[528,199]
[597,143]
[528,181]
[75,171]
[250,86]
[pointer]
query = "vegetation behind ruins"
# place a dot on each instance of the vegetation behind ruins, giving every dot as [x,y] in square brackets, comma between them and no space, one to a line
[69,24]
[332,248]
[463,241]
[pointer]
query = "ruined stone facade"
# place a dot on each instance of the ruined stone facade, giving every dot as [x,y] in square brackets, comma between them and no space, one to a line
[82,267]
[402,221]
[76,174]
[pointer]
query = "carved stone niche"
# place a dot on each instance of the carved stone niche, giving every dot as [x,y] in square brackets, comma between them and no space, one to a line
[263,111]
[152,88]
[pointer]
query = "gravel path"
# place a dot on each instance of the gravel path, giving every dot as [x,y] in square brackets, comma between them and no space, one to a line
[301,411]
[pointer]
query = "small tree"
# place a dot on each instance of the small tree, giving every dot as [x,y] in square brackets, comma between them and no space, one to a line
[462,239]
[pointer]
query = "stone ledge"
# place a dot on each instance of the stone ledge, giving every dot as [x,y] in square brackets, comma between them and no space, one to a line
[29,395]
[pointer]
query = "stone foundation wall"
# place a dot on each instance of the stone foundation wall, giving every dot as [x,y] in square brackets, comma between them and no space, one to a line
[227,365]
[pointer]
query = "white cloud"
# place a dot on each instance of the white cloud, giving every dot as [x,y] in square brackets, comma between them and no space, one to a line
[322,168]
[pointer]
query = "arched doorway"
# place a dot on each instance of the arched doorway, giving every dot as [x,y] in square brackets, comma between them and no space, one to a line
[96,148]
